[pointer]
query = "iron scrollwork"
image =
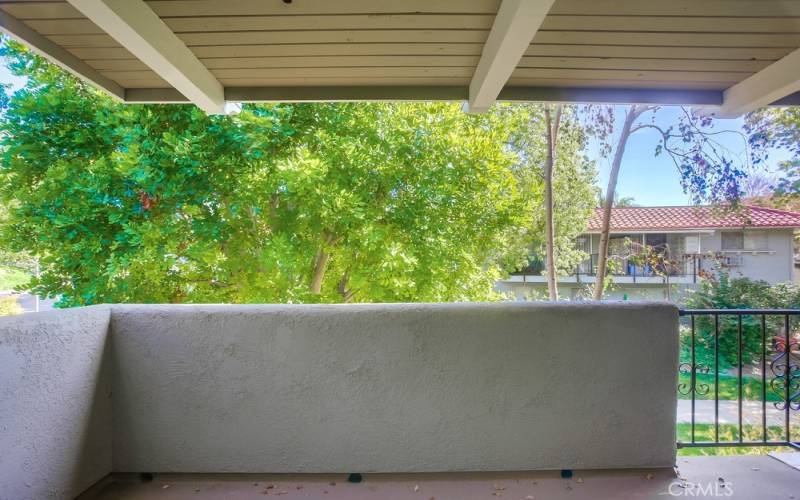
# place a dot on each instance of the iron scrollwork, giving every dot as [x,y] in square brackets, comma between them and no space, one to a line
[698,389]
[785,368]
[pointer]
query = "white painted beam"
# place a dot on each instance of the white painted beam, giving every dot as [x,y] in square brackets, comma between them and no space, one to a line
[774,82]
[21,32]
[514,27]
[137,28]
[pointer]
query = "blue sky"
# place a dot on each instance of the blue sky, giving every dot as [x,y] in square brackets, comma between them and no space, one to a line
[650,180]
[7,77]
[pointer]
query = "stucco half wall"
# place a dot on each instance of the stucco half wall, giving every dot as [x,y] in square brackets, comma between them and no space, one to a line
[357,388]
[364,388]
[55,403]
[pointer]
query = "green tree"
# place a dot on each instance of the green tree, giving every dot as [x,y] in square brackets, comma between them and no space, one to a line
[280,203]
[778,128]
[619,202]
[572,181]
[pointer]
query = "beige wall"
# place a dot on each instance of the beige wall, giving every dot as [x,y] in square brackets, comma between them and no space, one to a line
[774,263]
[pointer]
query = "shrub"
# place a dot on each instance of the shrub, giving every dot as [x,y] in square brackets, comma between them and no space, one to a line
[725,292]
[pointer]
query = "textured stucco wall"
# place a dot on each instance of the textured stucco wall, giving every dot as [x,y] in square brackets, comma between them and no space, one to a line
[505,386]
[55,406]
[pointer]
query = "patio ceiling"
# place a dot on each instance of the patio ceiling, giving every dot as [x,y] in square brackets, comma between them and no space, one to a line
[732,55]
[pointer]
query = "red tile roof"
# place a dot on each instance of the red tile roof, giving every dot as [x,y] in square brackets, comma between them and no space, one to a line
[692,217]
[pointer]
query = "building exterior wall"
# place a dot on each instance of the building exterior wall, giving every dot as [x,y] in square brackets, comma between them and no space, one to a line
[773,264]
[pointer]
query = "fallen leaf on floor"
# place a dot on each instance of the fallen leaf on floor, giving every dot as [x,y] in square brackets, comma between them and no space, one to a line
[299,486]
[756,468]
[165,487]
[416,488]
[529,497]
[579,480]
[499,488]
[270,486]
[648,476]
[332,483]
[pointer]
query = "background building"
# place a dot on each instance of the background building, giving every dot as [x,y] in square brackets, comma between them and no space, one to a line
[660,252]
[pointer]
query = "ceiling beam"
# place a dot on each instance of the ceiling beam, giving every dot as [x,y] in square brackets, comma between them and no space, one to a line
[41,45]
[137,28]
[772,83]
[514,27]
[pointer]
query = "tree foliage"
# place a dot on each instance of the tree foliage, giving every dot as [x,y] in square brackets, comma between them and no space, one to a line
[573,181]
[777,128]
[279,203]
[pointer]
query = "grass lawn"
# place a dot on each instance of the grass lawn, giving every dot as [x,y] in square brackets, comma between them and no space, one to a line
[727,432]
[729,387]
[11,277]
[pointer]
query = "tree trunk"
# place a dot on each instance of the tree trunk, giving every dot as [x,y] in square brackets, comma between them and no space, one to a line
[552,136]
[320,262]
[346,293]
[602,252]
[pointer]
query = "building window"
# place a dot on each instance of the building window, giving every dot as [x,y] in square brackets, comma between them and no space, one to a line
[733,240]
[756,240]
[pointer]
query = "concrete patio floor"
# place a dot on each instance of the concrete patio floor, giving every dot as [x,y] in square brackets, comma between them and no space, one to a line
[738,477]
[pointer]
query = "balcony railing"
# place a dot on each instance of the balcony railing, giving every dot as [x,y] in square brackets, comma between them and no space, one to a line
[740,373]
[687,267]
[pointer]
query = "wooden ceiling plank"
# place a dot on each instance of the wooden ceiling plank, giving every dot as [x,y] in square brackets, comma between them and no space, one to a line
[338,7]
[704,8]
[303,62]
[340,72]
[642,64]
[605,74]
[58,55]
[656,53]
[675,24]
[669,39]
[340,22]
[41,10]
[333,36]
[136,27]
[299,50]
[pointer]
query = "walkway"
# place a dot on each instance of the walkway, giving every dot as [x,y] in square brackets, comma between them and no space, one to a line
[729,413]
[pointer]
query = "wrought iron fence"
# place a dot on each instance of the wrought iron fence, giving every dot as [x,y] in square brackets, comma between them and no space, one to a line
[740,377]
